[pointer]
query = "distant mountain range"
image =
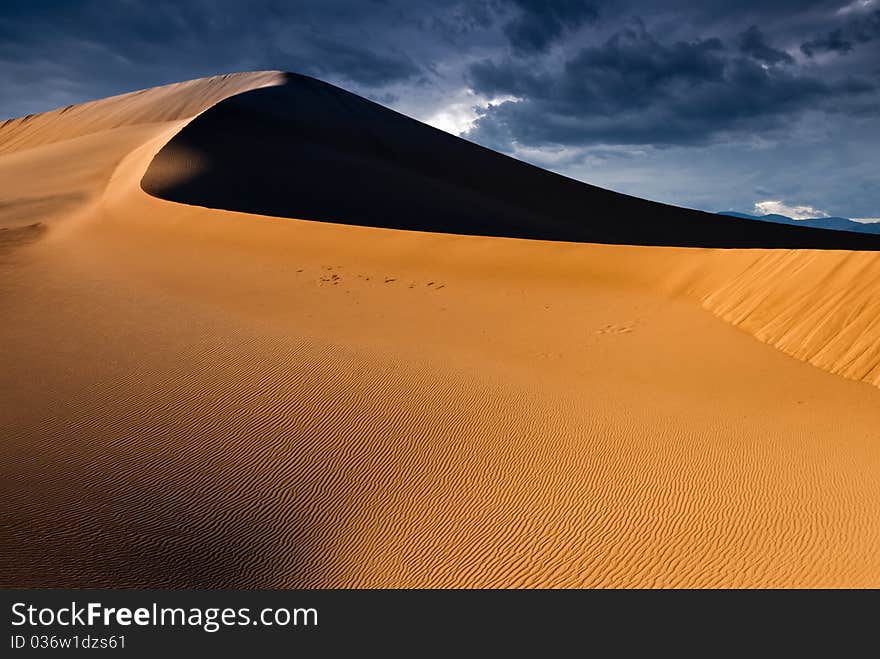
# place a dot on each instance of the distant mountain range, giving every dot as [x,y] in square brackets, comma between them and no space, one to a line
[836,223]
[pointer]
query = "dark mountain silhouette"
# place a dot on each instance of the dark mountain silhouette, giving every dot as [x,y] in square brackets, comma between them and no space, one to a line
[310,150]
[835,223]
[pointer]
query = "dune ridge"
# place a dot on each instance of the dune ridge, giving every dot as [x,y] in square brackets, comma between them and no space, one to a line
[402,174]
[180,100]
[56,163]
[209,398]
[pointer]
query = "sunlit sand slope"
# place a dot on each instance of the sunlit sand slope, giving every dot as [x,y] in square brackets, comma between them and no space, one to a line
[202,397]
[822,308]
[53,163]
[169,103]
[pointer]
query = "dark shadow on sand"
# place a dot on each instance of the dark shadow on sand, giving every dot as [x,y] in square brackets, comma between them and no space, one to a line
[313,151]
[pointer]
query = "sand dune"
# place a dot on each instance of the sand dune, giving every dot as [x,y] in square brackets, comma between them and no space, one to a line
[203,397]
[400,174]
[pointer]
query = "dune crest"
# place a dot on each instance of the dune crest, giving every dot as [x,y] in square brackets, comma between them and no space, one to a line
[180,100]
[287,148]
[57,163]
[202,397]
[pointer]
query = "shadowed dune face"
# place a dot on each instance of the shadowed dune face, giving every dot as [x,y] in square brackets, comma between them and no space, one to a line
[309,150]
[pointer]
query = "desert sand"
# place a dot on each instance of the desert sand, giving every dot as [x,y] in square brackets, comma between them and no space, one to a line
[206,383]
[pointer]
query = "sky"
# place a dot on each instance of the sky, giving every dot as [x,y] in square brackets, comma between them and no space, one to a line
[752,105]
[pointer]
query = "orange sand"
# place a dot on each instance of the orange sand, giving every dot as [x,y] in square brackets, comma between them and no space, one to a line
[194,397]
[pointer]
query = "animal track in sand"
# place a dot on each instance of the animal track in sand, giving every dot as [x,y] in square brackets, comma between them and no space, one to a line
[624,328]
[334,278]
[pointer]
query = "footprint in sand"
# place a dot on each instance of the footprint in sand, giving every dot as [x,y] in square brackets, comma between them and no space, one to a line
[624,328]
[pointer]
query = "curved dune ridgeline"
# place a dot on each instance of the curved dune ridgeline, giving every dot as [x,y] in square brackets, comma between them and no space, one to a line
[310,355]
[54,162]
[169,103]
[309,150]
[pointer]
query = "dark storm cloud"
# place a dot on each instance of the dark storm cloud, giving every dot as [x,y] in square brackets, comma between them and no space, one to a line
[842,40]
[351,61]
[752,42]
[540,22]
[635,89]
[92,49]
[629,69]
[834,41]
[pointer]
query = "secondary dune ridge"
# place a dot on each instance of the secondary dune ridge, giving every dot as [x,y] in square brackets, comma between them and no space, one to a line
[204,397]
